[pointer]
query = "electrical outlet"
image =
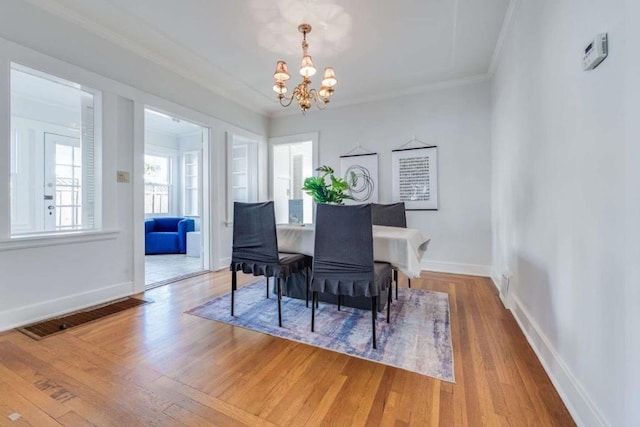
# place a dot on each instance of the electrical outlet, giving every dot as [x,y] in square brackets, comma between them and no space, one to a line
[123,177]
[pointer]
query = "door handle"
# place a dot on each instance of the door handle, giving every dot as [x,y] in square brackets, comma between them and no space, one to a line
[51,207]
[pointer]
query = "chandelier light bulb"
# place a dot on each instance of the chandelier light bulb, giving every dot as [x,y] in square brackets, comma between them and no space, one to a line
[282,73]
[306,68]
[325,93]
[280,88]
[329,78]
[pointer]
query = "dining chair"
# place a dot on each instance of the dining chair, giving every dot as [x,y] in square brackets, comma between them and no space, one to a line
[255,249]
[343,259]
[391,215]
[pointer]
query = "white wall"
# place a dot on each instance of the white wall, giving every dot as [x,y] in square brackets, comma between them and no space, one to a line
[565,199]
[43,277]
[632,225]
[457,120]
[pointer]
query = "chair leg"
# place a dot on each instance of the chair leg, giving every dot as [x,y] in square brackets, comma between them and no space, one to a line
[409,281]
[306,276]
[395,278]
[267,287]
[339,302]
[374,312]
[314,295]
[279,302]
[389,305]
[234,285]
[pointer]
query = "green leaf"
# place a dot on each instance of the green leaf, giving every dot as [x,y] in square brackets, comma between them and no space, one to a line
[333,192]
[325,168]
[353,179]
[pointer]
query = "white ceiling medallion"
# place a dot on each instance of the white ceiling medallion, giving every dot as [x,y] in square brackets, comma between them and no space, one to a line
[331,25]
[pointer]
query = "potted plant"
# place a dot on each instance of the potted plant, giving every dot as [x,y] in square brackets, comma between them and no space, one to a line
[331,191]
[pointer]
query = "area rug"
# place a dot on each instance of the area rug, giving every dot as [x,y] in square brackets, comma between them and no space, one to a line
[418,338]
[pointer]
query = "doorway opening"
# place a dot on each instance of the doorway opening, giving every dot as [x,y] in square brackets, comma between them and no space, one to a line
[173,198]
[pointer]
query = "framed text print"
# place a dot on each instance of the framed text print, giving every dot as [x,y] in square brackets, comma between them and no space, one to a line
[415,177]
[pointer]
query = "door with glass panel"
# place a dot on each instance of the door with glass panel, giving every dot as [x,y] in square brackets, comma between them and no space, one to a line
[62,182]
[291,163]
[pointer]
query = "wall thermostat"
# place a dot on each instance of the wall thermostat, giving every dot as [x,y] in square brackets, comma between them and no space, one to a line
[595,52]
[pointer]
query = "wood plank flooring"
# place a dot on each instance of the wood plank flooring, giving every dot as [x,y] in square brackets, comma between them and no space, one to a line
[155,365]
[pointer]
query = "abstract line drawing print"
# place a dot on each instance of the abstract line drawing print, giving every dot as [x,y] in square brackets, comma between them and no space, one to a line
[365,169]
[365,185]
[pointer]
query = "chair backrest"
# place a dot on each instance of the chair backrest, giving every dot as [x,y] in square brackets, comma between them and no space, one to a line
[392,215]
[254,233]
[343,243]
[166,224]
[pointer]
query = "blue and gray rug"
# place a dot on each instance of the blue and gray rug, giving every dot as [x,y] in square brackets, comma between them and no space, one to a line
[418,338]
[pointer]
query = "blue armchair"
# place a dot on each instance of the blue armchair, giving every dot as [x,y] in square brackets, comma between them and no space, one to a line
[166,235]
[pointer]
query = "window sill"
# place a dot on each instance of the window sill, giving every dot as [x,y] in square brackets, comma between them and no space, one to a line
[37,241]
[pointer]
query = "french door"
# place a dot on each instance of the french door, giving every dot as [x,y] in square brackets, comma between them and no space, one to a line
[63,183]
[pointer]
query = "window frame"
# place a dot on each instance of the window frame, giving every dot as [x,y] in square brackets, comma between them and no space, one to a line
[47,237]
[188,210]
[170,182]
[257,175]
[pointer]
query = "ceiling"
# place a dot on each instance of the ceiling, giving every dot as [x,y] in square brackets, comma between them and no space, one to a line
[378,48]
[164,123]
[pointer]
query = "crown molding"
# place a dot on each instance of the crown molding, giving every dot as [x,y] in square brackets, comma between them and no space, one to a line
[507,26]
[430,87]
[91,25]
[95,27]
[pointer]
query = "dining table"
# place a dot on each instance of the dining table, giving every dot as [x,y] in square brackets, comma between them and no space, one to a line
[401,247]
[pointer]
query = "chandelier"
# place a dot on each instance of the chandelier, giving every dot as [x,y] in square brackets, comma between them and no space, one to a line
[302,93]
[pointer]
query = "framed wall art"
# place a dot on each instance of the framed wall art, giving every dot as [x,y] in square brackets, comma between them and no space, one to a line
[415,177]
[365,168]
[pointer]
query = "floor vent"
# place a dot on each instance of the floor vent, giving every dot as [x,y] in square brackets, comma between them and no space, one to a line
[505,281]
[60,324]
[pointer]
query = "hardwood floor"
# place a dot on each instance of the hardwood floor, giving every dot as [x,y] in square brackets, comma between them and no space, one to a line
[155,365]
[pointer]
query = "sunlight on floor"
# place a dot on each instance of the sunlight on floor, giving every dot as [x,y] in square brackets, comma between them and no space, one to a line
[159,268]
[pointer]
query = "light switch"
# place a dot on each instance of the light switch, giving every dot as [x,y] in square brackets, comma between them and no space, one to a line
[123,177]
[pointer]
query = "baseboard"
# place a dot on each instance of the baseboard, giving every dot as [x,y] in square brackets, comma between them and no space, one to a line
[222,263]
[496,279]
[496,283]
[581,407]
[44,310]
[457,268]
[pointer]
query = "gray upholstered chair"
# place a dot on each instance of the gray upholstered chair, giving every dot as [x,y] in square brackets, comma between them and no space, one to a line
[255,249]
[392,215]
[343,259]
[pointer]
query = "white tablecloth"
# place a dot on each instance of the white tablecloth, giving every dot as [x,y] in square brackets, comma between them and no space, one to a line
[401,247]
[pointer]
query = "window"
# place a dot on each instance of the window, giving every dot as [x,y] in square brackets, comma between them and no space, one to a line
[244,177]
[243,170]
[291,163]
[191,180]
[54,185]
[157,180]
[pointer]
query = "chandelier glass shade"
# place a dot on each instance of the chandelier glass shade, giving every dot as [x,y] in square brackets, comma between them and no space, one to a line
[302,93]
